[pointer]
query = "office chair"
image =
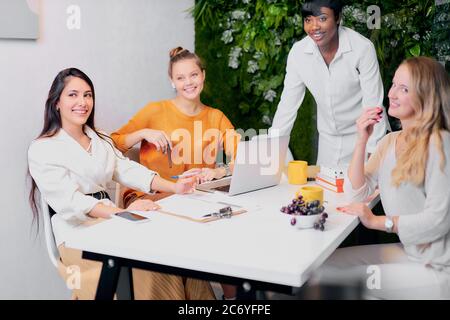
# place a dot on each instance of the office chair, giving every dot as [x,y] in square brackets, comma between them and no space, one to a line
[52,249]
[124,285]
[132,154]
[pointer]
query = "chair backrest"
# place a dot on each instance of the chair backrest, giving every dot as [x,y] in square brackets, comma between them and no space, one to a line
[52,250]
[132,154]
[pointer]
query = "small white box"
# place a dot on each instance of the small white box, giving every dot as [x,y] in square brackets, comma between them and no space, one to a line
[332,172]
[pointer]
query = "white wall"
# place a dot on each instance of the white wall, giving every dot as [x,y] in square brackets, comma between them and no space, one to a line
[123,46]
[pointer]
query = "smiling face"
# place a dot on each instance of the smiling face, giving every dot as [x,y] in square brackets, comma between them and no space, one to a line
[323,29]
[188,79]
[401,96]
[75,103]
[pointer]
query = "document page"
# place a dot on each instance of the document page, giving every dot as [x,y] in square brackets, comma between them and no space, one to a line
[189,206]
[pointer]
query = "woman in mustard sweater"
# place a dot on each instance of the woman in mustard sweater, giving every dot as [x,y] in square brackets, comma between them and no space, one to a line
[181,135]
[194,132]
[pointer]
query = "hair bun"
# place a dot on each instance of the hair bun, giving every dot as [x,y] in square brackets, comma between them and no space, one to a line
[176,51]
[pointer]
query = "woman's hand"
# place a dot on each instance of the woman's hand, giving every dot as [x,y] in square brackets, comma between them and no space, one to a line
[158,138]
[367,121]
[191,173]
[185,185]
[204,174]
[143,205]
[362,211]
[209,174]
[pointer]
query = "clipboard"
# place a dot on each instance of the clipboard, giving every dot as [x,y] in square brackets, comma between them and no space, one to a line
[198,209]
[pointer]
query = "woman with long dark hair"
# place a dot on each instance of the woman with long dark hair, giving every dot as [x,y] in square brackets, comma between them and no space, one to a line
[71,162]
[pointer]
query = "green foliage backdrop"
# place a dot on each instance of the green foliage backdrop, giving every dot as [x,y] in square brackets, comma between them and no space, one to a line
[245,44]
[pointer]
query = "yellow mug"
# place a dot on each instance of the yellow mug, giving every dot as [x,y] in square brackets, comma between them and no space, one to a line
[311,193]
[297,172]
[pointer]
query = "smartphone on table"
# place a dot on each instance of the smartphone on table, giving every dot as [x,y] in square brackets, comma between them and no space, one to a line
[130,216]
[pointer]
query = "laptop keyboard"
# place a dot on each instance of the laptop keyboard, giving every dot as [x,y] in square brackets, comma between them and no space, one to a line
[223,188]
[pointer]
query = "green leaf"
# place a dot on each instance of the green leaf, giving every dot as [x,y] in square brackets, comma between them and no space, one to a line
[429,11]
[276,81]
[247,86]
[415,51]
[288,33]
[260,44]
[262,63]
[247,45]
[264,108]
[244,107]
[274,10]
[233,79]
[269,21]
[261,87]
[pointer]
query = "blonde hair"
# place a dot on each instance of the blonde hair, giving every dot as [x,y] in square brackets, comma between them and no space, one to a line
[430,89]
[179,54]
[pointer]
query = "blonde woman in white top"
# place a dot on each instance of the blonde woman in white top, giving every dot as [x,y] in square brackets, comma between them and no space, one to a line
[412,170]
[71,163]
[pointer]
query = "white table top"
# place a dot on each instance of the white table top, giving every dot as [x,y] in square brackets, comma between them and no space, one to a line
[258,245]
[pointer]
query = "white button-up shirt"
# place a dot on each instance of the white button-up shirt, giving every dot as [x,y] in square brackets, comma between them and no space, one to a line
[341,91]
[64,173]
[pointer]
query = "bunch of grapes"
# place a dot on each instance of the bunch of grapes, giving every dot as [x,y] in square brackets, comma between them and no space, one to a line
[301,208]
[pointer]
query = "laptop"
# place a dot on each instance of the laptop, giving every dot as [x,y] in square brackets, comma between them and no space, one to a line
[259,164]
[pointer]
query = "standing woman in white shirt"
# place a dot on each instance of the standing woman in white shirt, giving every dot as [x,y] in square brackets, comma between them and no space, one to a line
[71,163]
[339,67]
[412,170]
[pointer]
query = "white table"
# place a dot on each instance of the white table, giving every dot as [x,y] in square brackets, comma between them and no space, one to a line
[257,248]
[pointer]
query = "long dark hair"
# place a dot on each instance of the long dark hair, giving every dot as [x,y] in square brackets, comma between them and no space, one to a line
[52,120]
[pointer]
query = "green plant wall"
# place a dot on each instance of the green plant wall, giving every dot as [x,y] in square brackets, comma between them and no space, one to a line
[245,43]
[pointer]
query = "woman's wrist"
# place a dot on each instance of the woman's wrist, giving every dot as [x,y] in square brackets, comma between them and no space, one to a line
[173,187]
[225,170]
[162,185]
[377,223]
[103,211]
[132,138]
[141,134]
[220,172]
[361,142]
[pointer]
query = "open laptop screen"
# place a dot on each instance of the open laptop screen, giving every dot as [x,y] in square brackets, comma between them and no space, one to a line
[259,164]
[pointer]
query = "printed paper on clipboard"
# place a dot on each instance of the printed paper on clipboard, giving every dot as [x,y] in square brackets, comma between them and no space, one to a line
[222,199]
[191,208]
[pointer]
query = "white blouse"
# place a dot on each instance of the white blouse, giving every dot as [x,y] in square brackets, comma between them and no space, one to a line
[424,211]
[64,172]
[341,90]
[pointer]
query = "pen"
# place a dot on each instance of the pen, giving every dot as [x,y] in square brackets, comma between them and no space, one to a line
[184,176]
[169,155]
[207,215]
[223,213]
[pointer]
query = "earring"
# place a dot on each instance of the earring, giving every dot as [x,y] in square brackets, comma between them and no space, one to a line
[173,85]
